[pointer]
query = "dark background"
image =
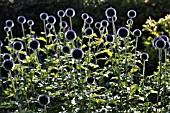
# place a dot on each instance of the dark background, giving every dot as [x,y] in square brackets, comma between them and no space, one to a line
[31,9]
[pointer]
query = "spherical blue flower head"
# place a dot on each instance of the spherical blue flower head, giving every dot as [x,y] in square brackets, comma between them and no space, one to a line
[90,79]
[144,56]
[21,19]
[34,44]
[43,16]
[84,16]
[131,13]
[160,43]
[30,22]
[43,100]
[109,37]
[17,45]
[97,25]
[123,32]
[51,19]
[110,12]
[104,23]
[61,13]
[137,33]
[77,54]
[88,31]
[70,12]
[70,35]
[8,64]
[9,23]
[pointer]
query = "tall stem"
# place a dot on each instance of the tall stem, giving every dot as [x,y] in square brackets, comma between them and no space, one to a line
[160,74]
[70,23]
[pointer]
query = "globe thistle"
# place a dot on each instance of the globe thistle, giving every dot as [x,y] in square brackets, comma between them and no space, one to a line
[84,16]
[131,14]
[110,12]
[34,44]
[137,33]
[154,41]
[43,16]
[30,22]
[51,20]
[61,13]
[70,12]
[7,56]
[144,56]
[64,24]
[104,23]
[77,53]
[90,79]
[21,19]
[160,44]
[88,31]
[9,23]
[97,25]
[43,99]
[49,26]
[8,64]
[70,35]
[6,29]
[66,49]
[89,20]
[109,37]
[21,56]
[129,21]
[123,32]
[17,45]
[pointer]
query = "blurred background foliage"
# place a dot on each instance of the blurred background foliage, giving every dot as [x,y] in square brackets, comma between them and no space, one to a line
[155,9]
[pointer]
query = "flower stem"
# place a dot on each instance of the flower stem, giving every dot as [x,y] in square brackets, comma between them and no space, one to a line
[70,23]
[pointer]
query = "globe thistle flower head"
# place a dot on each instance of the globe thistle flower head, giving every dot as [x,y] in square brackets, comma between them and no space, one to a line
[6,29]
[43,16]
[64,24]
[154,41]
[49,26]
[43,99]
[90,79]
[30,22]
[21,19]
[17,45]
[137,33]
[88,31]
[34,44]
[77,54]
[70,12]
[8,64]
[51,19]
[7,56]
[160,44]
[84,16]
[70,35]
[109,37]
[61,13]
[129,21]
[104,23]
[144,56]
[97,25]
[131,13]
[9,23]
[89,20]
[110,12]
[123,32]
[66,49]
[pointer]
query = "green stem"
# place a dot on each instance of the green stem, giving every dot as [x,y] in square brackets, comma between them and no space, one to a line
[160,74]
[70,23]
[135,50]
[126,64]
[11,33]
